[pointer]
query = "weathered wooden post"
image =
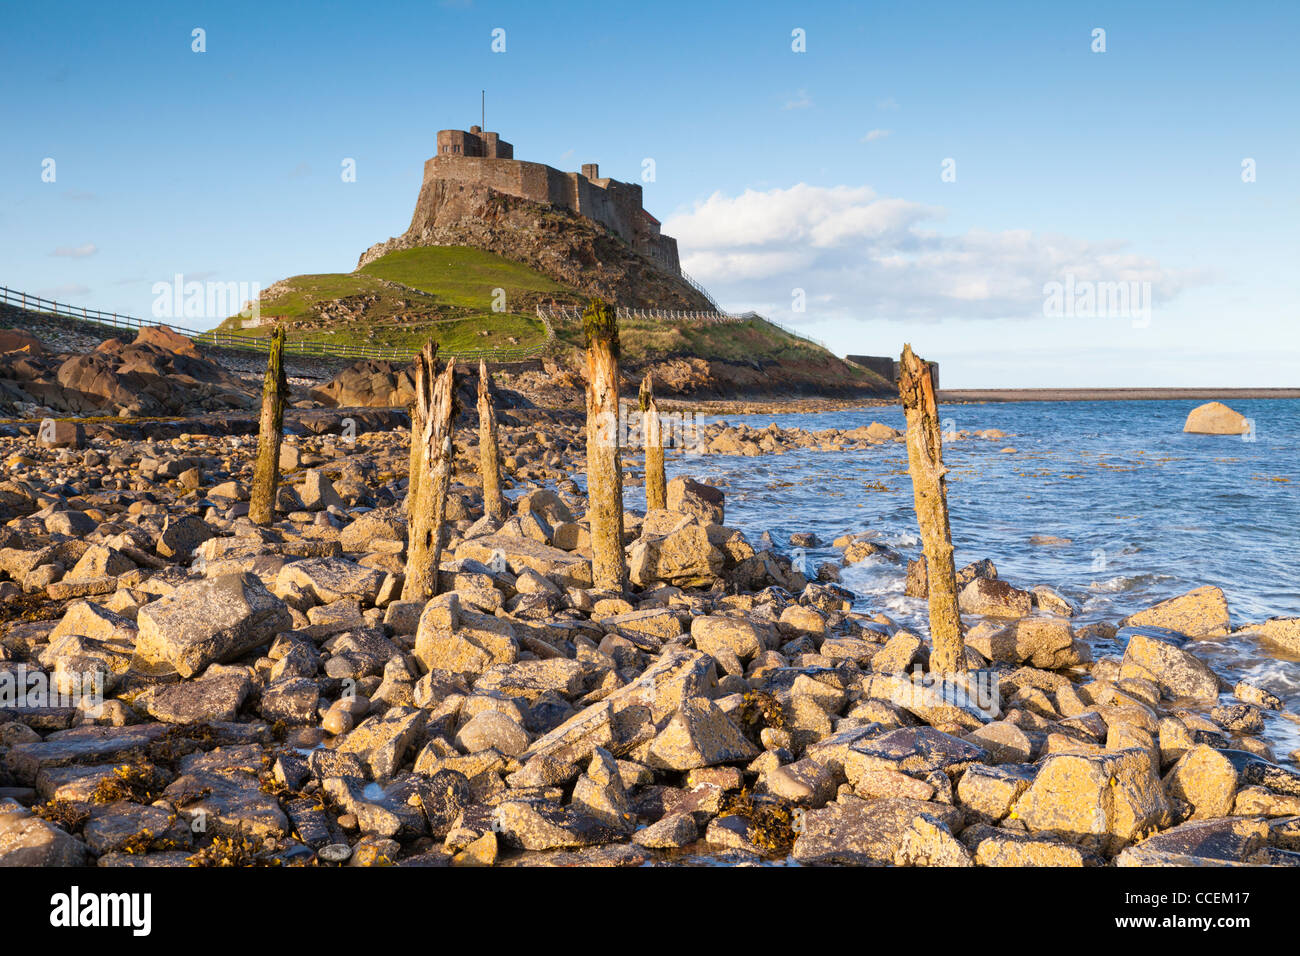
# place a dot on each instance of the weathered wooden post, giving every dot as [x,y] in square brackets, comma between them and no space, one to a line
[930,494]
[415,467]
[489,447]
[266,470]
[604,467]
[656,485]
[426,500]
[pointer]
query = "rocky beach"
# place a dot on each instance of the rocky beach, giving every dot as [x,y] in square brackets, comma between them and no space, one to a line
[183,687]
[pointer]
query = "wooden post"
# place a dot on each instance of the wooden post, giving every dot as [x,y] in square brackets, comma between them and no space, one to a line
[427,510]
[415,465]
[489,447]
[930,494]
[604,467]
[656,485]
[266,471]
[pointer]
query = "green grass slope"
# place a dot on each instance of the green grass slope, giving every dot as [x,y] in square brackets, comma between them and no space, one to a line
[406,298]
[447,294]
[465,277]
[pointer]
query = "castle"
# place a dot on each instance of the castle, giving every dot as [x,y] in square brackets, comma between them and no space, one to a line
[480,158]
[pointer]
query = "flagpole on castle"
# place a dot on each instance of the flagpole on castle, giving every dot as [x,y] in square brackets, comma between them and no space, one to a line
[483,109]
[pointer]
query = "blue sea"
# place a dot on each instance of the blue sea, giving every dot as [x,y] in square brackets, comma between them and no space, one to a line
[1149,512]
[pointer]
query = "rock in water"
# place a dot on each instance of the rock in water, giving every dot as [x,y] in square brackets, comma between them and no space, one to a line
[1201,612]
[1215,418]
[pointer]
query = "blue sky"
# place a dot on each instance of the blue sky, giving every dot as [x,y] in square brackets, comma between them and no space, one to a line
[777,171]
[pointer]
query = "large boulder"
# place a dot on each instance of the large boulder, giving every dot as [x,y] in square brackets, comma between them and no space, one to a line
[1215,418]
[140,378]
[169,341]
[683,556]
[27,840]
[1201,612]
[1206,779]
[210,621]
[382,741]
[90,382]
[1159,657]
[1283,632]
[716,634]
[1106,800]
[17,341]
[1042,641]
[699,735]
[368,384]
[1222,842]
[330,579]
[860,832]
[692,497]
[181,535]
[451,638]
[211,697]
[519,554]
[61,434]
[373,525]
[994,597]
[634,714]
[911,750]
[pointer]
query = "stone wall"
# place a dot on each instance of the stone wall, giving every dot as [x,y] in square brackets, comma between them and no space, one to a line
[614,204]
[887,367]
[475,142]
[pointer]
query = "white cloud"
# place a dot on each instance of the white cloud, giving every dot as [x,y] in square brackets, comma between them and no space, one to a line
[76,252]
[888,103]
[859,255]
[800,101]
[875,134]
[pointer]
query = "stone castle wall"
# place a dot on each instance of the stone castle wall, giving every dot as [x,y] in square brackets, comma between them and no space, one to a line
[483,159]
[887,367]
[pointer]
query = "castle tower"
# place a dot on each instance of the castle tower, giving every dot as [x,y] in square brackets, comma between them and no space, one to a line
[618,206]
[475,142]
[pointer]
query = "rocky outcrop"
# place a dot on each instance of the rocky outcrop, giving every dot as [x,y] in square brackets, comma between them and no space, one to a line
[15,340]
[368,384]
[561,244]
[378,384]
[167,340]
[159,374]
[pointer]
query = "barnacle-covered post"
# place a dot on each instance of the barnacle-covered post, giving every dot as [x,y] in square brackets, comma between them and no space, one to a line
[604,467]
[930,495]
[489,446]
[656,485]
[426,501]
[266,470]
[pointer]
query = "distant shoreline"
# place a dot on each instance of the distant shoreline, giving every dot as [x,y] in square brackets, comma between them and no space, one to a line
[1107,394]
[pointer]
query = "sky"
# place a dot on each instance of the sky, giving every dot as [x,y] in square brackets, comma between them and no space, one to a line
[1025,200]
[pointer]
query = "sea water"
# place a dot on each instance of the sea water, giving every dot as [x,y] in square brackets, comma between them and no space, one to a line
[1145,512]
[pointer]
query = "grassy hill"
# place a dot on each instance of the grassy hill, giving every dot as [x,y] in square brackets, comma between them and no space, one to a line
[646,340]
[405,298]
[447,293]
[461,276]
